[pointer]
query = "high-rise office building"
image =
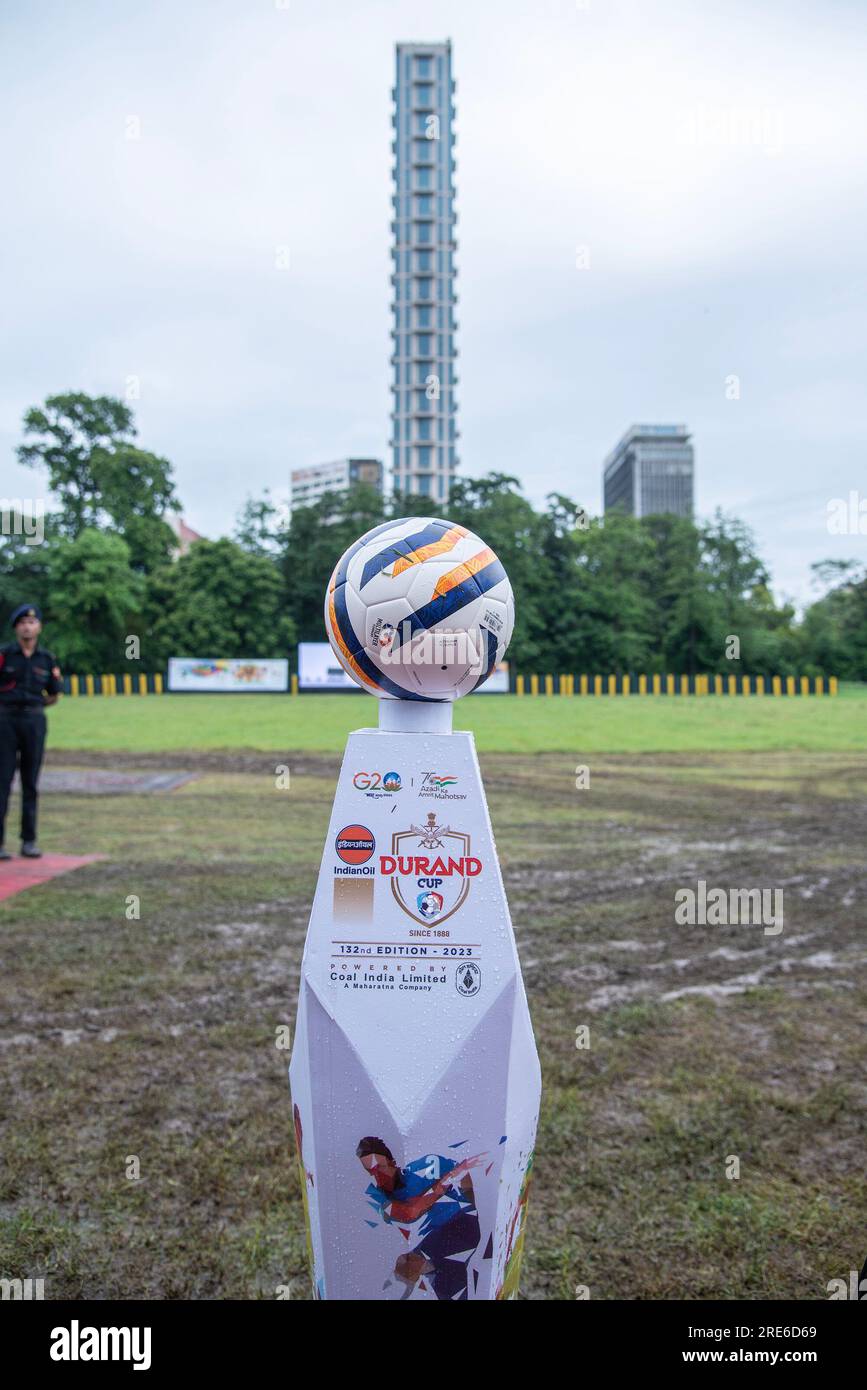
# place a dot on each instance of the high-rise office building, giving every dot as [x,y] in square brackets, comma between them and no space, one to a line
[307,485]
[651,470]
[424,432]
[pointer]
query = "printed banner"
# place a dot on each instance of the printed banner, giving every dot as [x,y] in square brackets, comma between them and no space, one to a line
[497,682]
[319,669]
[192,673]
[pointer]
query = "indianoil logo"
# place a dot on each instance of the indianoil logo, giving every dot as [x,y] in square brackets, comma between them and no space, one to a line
[354,844]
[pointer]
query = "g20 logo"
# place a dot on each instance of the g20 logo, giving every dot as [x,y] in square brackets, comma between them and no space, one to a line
[377,781]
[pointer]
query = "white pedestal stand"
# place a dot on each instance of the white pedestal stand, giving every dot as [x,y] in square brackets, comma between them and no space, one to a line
[414,1075]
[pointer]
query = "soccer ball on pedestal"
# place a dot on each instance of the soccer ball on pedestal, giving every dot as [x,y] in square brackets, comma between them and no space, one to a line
[419,609]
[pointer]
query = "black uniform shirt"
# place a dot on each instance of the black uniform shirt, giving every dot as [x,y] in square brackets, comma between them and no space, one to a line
[23,678]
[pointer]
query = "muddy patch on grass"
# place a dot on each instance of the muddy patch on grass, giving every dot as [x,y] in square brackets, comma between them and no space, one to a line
[586,881]
[229,760]
[95,781]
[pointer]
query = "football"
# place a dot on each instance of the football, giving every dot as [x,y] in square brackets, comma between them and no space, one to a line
[419,609]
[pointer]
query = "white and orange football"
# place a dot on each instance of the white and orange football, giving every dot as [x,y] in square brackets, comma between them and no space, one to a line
[419,609]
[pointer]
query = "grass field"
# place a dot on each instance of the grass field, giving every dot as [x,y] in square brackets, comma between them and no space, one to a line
[154,1038]
[507,723]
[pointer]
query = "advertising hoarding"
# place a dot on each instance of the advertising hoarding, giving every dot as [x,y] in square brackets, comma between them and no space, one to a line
[187,673]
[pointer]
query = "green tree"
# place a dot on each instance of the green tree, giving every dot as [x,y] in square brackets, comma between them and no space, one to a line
[609,610]
[684,631]
[494,508]
[101,478]
[257,526]
[217,600]
[64,432]
[833,633]
[95,601]
[314,541]
[136,491]
[738,585]
[25,568]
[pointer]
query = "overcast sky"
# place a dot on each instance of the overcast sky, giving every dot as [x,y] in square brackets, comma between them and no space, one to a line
[709,156]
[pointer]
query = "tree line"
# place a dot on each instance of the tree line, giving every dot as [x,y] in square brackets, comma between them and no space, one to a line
[660,593]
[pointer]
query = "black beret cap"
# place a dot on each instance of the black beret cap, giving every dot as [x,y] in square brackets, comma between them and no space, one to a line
[24,610]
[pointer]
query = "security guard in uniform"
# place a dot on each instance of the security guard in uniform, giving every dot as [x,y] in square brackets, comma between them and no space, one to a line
[29,680]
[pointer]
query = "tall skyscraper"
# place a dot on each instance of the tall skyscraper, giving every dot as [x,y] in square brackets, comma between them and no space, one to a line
[424,431]
[650,471]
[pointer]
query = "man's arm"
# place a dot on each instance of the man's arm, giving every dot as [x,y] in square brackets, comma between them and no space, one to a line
[51,693]
[415,1207]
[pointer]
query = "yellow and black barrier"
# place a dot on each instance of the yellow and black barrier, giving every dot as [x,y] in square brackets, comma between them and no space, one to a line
[110,684]
[546,684]
[656,684]
[137,683]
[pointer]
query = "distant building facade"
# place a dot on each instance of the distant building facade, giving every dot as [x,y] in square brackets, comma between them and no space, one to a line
[423,418]
[185,536]
[650,471]
[307,485]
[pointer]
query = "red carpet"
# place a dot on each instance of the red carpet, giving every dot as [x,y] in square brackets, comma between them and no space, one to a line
[17,874]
